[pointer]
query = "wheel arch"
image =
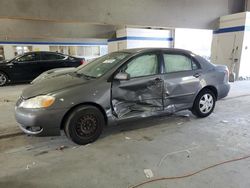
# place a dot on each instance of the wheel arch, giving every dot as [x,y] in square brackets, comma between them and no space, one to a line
[84,104]
[8,76]
[196,104]
[211,88]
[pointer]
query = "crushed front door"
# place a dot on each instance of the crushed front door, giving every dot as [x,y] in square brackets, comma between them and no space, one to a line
[141,95]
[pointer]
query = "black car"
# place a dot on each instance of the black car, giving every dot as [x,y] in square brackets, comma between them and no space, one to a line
[28,66]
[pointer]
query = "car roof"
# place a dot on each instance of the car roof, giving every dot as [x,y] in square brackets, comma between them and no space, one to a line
[48,52]
[140,50]
[198,58]
[132,50]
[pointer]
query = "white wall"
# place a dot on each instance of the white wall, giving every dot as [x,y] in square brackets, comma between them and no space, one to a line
[139,32]
[117,45]
[9,52]
[140,38]
[231,43]
[9,49]
[148,44]
[198,41]
[227,48]
[103,50]
[40,47]
[244,70]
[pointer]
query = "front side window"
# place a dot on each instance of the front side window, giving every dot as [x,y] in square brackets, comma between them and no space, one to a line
[144,65]
[29,57]
[102,65]
[176,63]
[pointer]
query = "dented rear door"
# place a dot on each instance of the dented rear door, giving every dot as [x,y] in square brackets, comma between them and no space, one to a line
[182,80]
[141,95]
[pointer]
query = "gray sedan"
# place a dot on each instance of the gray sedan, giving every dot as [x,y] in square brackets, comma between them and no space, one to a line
[129,84]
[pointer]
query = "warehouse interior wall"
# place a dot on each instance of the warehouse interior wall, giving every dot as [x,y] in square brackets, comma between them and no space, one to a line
[87,51]
[247,5]
[49,21]
[192,14]
[231,43]
[128,37]
[198,41]
[91,23]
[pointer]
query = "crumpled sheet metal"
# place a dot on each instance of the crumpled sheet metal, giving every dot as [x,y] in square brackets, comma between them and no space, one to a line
[146,96]
[136,99]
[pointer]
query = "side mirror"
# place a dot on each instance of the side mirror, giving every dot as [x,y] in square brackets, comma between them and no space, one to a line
[122,76]
[15,62]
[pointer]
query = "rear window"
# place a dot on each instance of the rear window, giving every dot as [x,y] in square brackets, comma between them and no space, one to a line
[177,63]
[28,57]
[50,56]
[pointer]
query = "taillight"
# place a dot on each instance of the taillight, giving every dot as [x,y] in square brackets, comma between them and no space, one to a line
[82,62]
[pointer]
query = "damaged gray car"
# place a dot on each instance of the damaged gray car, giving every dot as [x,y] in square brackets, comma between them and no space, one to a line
[129,84]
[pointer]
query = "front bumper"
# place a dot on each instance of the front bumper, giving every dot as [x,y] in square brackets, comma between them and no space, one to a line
[41,122]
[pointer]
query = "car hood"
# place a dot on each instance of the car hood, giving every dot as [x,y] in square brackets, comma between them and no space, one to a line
[4,63]
[53,73]
[48,86]
[59,70]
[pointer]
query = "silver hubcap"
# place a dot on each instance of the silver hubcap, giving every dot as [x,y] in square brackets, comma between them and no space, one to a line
[3,79]
[206,103]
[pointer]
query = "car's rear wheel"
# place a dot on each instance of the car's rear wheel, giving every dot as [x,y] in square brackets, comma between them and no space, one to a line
[204,103]
[84,124]
[3,79]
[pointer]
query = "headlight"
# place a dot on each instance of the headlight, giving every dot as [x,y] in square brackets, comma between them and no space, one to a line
[43,101]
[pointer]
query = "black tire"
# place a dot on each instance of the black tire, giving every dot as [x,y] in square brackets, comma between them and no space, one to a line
[84,124]
[3,79]
[203,110]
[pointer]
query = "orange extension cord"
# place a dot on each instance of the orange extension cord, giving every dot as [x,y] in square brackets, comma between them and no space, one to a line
[190,174]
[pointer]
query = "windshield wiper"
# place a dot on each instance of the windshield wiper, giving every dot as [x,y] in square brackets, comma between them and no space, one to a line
[84,75]
[89,77]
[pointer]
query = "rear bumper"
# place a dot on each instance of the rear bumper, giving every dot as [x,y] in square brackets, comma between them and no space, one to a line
[41,122]
[223,90]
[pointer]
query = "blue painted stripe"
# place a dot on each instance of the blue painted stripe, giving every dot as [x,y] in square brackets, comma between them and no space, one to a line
[55,43]
[140,38]
[230,29]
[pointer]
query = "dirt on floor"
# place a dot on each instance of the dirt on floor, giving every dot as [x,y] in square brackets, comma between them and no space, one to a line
[131,153]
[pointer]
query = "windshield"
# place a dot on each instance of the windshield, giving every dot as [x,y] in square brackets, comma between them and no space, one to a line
[102,65]
[13,59]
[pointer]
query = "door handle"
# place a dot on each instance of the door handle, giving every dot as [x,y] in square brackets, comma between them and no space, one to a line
[156,81]
[196,75]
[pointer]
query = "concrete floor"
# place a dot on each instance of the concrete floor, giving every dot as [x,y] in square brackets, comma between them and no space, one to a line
[169,146]
[8,98]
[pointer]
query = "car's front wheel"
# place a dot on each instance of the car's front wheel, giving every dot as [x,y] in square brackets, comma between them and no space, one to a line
[204,103]
[3,79]
[84,124]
